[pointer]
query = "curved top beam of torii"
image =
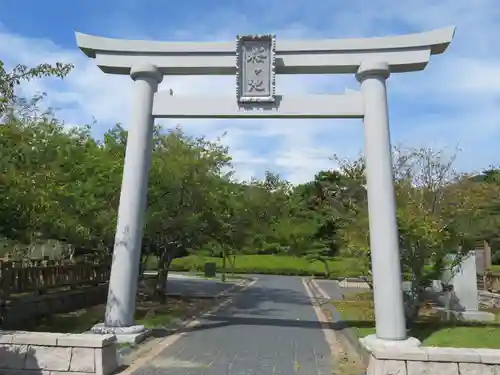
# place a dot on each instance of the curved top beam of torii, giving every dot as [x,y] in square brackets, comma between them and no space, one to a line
[403,53]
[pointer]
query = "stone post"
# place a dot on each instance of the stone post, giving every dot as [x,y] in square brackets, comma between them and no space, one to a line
[127,250]
[384,244]
[487,255]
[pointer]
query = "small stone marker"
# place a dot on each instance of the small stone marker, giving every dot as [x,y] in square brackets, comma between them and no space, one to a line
[463,278]
[480,261]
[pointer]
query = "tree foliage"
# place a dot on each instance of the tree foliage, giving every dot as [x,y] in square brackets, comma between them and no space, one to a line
[61,183]
[437,211]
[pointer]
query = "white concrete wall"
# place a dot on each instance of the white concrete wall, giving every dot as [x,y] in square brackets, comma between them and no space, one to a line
[44,353]
[403,360]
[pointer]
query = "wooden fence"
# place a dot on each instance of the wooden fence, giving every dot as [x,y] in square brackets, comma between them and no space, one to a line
[40,276]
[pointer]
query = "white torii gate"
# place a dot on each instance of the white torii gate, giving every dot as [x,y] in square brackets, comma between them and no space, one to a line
[370,59]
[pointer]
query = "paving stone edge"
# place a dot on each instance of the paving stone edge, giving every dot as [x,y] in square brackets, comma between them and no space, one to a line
[346,335]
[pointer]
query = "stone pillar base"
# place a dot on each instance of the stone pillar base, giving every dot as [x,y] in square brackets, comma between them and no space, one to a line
[372,342]
[132,334]
[468,315]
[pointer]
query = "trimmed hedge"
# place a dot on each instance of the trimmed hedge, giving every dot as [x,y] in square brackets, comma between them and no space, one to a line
[267,264]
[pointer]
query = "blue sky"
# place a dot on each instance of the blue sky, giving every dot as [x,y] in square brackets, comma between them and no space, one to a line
[455,102]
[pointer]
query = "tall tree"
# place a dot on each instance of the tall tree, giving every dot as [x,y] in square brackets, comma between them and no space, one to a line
[428,219]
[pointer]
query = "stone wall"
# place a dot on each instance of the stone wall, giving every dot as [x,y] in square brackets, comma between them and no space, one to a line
[47,353]
[413,360]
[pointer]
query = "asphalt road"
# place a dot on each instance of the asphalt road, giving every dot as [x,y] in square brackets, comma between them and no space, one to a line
[270,328]
[195,287]
[332,288]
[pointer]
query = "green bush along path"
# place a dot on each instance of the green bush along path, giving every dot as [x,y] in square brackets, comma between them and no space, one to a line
[355,307]
[268,265]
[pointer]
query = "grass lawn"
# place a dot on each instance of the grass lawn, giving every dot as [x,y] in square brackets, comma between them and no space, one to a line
[149,312]
[357,311]
[269,264]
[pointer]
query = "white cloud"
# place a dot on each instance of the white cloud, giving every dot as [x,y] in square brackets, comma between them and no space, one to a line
[459,91]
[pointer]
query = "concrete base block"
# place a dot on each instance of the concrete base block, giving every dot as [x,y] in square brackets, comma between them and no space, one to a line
[130,335]
[469,316]
[372,342]
[478,316]
[133,338]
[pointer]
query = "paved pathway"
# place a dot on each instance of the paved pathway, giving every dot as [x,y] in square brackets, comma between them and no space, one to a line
[269,329]
[336,290]
[330,287]
[193,286]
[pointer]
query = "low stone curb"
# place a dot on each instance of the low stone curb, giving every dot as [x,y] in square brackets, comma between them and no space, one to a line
[347,336]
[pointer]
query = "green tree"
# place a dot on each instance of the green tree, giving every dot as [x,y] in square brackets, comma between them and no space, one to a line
[181,175]
[331,202]
[427,214]
[10,80]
